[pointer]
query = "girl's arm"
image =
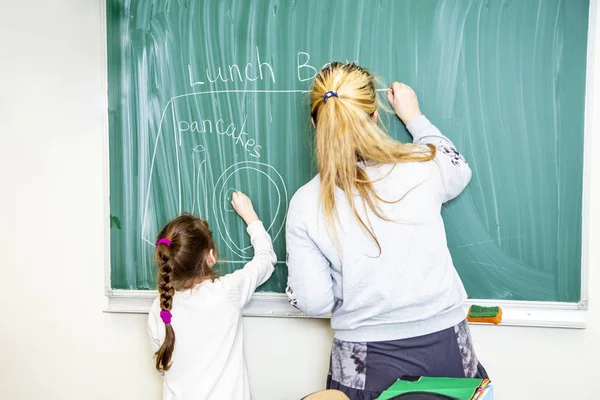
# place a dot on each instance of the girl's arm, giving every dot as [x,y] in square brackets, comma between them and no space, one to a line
[310,286]
[155,340]
[243,283]
[454,170]
[154,324]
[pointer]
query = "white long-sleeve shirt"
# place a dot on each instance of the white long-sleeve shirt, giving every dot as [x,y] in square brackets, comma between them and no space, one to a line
[412,288]
[208,359]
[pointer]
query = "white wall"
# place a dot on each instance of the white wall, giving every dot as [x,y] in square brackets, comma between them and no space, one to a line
[55,343]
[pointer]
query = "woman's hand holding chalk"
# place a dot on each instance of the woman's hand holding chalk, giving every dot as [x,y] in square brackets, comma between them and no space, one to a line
[404,101]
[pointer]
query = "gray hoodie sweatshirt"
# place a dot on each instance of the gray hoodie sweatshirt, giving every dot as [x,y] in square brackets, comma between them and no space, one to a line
[412,288]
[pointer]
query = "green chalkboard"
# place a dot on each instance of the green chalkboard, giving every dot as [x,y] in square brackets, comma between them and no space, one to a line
[207,97]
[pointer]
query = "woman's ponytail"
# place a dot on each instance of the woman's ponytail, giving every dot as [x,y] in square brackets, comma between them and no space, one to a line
[344,105]
[338,150]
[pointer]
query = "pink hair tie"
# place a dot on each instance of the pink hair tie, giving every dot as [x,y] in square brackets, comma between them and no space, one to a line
[164,241]
[166,316]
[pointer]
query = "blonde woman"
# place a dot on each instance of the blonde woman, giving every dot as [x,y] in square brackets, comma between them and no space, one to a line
[366,240]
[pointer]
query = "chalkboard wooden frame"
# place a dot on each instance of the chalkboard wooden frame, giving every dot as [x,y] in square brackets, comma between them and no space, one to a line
[515,313]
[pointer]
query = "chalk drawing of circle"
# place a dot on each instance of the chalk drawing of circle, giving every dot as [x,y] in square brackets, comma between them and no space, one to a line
[223,189]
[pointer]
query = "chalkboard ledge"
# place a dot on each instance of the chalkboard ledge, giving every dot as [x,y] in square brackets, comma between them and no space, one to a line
[515,313]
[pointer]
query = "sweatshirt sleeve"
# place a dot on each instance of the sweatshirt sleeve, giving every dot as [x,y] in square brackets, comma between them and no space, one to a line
[454,170]
[155,324]
[242,284]
[310,286]
[155,341]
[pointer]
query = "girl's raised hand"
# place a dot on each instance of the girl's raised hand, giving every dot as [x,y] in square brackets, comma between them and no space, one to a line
[243,206]
[404,101]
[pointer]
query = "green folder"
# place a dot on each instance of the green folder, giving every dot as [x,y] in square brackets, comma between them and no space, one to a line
[461,388]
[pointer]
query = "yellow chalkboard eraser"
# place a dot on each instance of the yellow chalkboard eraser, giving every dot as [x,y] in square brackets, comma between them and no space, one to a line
[490,315]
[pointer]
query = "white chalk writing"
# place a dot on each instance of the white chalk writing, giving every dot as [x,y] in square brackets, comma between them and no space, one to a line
[210,126]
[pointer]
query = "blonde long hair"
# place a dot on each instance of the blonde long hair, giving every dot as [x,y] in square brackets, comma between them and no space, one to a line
[347,133]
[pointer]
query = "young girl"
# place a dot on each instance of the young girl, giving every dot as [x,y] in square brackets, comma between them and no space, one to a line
[366,240]
[195,324]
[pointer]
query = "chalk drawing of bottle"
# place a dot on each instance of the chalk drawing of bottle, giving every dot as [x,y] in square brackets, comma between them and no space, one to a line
[200,186]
